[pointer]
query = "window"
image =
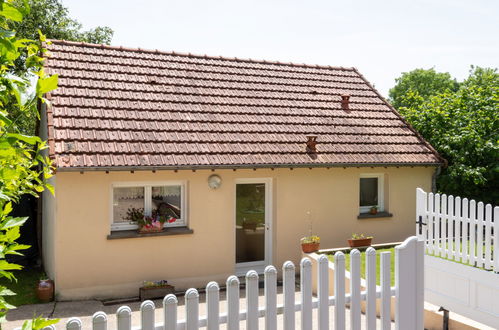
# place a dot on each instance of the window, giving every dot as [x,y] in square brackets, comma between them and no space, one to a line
[371,192]
[163,198]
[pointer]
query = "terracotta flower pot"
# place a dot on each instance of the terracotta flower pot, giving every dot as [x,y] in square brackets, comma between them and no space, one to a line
[249,225]
[45,291]
[310,247]
[361,242]
[373,211]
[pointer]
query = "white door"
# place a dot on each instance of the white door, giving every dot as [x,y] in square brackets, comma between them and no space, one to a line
[253,224]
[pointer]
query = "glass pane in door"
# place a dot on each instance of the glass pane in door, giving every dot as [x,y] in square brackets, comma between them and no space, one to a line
[250,222]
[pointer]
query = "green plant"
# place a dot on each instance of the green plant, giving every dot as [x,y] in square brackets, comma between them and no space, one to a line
[24,168]
[360,236]
[310,239]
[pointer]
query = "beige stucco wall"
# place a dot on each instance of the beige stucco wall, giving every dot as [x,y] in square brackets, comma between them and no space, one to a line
[87,264]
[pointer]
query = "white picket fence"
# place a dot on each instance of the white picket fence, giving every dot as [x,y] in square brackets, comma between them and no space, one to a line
[458,229]
[408,292]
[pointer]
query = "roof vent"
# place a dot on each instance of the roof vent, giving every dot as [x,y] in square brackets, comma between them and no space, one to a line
[311,144]
[345,102]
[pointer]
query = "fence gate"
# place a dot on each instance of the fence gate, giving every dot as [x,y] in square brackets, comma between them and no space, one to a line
[461,255]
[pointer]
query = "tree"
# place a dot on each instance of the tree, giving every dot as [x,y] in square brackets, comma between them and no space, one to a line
[52,19]
[420,84]
[463,126]
[24,169]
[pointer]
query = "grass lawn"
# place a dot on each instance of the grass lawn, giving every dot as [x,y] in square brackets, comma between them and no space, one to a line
[363,263]
[27,279]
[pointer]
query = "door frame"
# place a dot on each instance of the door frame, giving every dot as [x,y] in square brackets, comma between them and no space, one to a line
[259,266]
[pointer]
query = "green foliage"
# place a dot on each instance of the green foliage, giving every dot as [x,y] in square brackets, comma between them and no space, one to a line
[463,126]
[52,19]
[24,169]
[419,84]
[38,323]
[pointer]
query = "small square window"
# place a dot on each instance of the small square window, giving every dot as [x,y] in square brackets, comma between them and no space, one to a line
[371,192]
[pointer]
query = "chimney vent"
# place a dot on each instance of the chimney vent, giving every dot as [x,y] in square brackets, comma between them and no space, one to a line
[345,102]
[311,144]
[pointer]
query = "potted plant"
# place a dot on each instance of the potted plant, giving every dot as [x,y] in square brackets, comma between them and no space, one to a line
[310,243]
[149,224]
[249,224]
[373,210]
[45,290]
[155,289]
[359,240]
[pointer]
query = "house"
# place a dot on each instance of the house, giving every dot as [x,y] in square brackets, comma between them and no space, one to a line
[243,155]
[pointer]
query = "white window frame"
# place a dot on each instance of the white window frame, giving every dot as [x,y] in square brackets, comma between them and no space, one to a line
[381,191]
[182,222]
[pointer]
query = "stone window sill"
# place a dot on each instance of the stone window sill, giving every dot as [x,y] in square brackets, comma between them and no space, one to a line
[377,215]
[134,234]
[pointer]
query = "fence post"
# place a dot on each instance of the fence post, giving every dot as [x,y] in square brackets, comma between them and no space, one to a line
[270,275]
[124,318]
[170,312]
[192,309]
[306,294]
[212,306]
[147,315]
[232,303]
[421,213]
[252,300]
[99,321]
[73,323]
[288,271]
[409,284]
[323,292]
[496,239]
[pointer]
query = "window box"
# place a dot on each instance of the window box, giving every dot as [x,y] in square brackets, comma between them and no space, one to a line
[123,234]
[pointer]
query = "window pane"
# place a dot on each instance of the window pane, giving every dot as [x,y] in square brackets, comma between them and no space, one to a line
[166,201]
[368,191]
[124,199]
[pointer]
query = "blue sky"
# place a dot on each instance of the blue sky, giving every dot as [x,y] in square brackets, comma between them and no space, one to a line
[381,38]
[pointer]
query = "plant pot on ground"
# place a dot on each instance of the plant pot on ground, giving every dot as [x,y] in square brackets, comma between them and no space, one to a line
[359,241]
[45,290]
[310,244]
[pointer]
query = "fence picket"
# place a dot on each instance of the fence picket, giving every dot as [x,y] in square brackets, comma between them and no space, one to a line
[232,303]
[124,318]
[496,239]
[252,300]
[191,309]
[488,237]
[99,321]
[472,258]
[213,306]
[385,281]
[147,315]
[431,224]
[451,247]
[306,294]
[74,323]
[339,290]
[457,229]
[288,270]
[479,236]
[371,288]
[465,232]
[421,213]
[270,297]
[443,226]
[170,303]
[437,222]
[355,320]
[323,292]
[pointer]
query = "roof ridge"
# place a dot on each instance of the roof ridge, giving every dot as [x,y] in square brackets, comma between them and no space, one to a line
[205,56]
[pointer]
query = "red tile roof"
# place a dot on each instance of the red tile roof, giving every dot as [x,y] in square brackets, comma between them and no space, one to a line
[132,108]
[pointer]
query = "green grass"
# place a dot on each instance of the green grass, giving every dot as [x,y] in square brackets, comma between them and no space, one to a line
[363,264]
[27,280]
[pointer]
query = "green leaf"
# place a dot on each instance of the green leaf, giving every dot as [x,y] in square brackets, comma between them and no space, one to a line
[25,138]
[10,12]
[6,292]
[45,85]
[4,265]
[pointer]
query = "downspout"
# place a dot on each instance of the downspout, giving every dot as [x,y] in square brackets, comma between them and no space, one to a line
[437,172]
